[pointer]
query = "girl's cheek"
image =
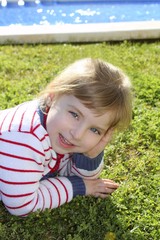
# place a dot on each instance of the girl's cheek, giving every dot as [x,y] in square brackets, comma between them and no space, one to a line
[92,140]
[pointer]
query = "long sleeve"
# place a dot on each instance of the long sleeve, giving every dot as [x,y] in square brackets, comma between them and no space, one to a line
[25,157]
[89,168]
[80,165]
[22,168]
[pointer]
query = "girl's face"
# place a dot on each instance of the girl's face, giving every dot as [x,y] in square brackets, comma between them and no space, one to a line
[74,128]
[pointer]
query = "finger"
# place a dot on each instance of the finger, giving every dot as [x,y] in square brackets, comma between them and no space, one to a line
[107,137]
[109,183]
[104,141]
[101,195]
[106,190]
[106,185]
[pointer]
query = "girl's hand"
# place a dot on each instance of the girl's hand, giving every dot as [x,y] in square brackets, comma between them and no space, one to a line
[100,187]
[94,152]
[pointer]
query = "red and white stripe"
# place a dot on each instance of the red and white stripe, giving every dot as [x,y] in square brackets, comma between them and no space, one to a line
[25,156]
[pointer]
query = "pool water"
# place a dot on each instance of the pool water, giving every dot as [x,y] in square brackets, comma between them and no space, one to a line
[54,13]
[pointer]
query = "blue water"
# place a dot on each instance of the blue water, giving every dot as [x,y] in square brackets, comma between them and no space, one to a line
[52,13]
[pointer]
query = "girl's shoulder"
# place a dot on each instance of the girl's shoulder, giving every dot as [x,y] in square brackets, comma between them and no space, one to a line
[22,117]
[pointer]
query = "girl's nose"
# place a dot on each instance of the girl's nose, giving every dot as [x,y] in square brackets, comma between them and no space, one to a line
[77,133]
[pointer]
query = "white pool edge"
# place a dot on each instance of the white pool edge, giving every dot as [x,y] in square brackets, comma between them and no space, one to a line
[98,32]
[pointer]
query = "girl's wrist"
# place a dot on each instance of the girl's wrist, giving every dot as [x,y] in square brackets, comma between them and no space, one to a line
[78,185]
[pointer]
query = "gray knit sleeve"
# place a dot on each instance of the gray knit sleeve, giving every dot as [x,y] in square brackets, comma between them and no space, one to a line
[83,162]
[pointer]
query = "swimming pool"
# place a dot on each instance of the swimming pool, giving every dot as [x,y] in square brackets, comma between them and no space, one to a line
[61,21]
[69,12]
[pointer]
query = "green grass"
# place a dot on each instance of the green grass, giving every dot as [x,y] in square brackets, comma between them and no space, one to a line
[132,158]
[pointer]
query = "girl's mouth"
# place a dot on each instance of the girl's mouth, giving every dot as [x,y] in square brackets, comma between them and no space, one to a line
[64,142]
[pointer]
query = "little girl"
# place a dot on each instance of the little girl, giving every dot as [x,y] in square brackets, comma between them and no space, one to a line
[51,148]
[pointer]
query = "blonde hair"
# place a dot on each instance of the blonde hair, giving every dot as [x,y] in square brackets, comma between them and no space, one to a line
[99,85]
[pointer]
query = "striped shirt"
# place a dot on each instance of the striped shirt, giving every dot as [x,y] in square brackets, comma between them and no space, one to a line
[27,161]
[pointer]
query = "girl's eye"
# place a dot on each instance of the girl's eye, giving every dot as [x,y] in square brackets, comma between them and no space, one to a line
[94,130]
[75,115]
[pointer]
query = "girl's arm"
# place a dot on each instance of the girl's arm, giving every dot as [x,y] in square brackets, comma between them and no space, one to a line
[86,167]
[85,171]
[84,177]
[23,162]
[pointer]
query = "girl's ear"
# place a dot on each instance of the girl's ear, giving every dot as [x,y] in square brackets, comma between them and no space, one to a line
[49,100]
[51,95]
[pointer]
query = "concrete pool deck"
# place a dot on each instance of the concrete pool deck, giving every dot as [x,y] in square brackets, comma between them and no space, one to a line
[80,32]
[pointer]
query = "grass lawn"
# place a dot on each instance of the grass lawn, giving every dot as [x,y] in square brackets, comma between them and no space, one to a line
[132,158]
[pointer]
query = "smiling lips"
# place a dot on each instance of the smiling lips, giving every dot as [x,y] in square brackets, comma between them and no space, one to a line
[64,142]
